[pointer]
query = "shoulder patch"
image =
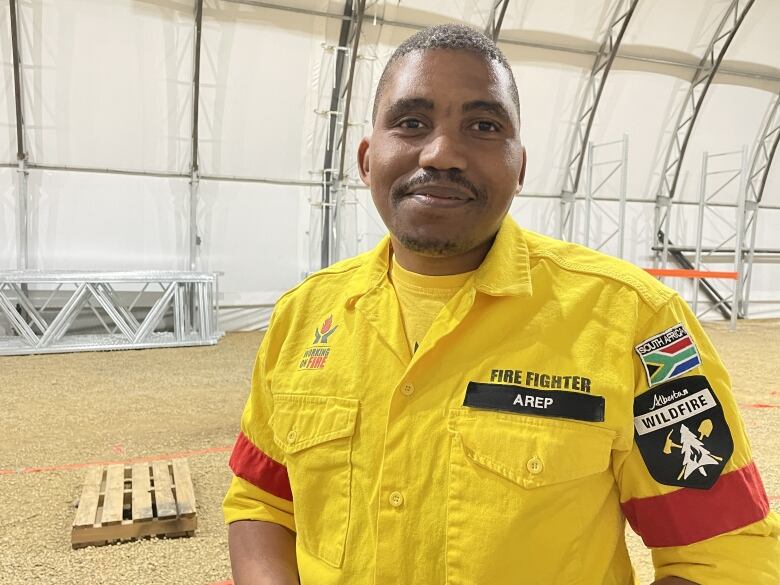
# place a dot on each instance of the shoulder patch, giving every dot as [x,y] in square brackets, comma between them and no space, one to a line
[668,354]
[682,434]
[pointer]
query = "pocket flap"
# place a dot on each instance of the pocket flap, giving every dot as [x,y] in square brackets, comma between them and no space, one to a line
[532,451]
[300,421]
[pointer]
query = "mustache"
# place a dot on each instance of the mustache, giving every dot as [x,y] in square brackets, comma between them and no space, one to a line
[426,176]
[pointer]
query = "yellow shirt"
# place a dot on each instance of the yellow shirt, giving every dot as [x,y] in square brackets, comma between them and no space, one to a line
[558,392]
[421,298]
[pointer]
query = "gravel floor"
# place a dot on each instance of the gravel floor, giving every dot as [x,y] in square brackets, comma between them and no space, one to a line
[61,412]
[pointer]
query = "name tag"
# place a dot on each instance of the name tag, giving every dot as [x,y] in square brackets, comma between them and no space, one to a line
[554,403]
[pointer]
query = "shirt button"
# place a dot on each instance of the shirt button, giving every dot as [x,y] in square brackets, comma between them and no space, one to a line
[292,436]
[396,499]
[407,389]
[534,465]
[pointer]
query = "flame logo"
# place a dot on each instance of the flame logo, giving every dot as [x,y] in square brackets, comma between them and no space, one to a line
[327,329]
[326,325]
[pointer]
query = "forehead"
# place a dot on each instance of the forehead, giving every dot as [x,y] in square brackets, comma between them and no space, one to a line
[447,76]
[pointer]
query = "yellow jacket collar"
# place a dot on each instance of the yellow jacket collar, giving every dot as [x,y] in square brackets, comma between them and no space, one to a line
[505,271]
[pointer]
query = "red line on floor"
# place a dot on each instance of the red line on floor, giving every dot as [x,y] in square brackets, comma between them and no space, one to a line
[69,466]
[760,405]
[222,583]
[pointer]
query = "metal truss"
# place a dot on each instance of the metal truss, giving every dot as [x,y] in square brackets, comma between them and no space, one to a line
[605,190]
[764,154]
[377,19]
[345,57]
[589,102]
[722,187]
[689,112]
[38,311]
[496,18]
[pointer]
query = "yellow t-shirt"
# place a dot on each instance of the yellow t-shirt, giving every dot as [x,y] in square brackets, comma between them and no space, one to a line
[421,298]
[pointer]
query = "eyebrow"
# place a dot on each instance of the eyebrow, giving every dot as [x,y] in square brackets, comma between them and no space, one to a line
[487,106]
[404,105]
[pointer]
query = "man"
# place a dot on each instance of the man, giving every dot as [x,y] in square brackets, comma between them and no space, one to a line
[470,403]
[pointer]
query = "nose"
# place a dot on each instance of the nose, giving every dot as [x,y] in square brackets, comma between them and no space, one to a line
[443,151]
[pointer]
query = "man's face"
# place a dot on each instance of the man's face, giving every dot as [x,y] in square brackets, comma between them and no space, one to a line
[444,159]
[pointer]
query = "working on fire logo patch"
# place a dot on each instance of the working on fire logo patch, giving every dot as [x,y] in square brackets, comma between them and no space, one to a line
[682,434]
[316,355]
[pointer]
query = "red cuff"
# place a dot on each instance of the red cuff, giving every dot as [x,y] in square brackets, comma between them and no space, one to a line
[251,464]
[691,515]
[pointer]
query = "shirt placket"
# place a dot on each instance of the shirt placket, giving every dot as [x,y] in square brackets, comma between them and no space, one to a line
[411,509]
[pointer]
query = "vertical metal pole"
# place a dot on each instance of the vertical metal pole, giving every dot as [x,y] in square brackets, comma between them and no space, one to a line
[739,263]
[216,303]
[751,207]
[338,186]
[657,228]
[328,174]
[700,228]
[361,9]
[765,149]
[22,216]
[589,194]
[667,229]
[194,239]
[622,202]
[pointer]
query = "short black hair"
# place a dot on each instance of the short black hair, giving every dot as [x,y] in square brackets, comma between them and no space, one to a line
[459,37]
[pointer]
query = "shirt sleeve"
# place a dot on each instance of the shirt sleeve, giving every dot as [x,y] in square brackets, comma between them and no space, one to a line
[260,488]
[689,486]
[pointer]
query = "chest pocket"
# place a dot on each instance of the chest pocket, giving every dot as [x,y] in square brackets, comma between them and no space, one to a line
[315,433]
[529,486]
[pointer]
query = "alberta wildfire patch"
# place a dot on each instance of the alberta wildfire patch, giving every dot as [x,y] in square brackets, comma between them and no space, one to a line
[682,434]
[667,355]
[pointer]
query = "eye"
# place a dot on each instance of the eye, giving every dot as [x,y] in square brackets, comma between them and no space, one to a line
[485,126]
[411,124]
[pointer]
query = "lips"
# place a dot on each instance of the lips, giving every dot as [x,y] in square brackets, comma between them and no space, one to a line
[445,193]
[439,196]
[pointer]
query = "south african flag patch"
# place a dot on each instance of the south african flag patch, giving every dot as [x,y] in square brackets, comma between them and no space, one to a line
[668,354]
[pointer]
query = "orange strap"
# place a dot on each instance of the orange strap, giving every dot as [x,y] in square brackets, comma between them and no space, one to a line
[681,273]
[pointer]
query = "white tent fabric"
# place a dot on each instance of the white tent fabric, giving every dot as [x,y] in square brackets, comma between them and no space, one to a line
[108,98]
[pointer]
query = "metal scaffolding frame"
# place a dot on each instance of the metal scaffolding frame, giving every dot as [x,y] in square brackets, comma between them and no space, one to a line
[708,66]
[761,163]
[337,115]
[605,184]
[589,103]
[39,310]
[330,195]
[729,169]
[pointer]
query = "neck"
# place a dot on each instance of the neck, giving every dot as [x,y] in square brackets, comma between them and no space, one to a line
[440,265]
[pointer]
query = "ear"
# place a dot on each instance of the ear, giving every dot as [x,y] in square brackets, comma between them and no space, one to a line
[362,156]
[523,161]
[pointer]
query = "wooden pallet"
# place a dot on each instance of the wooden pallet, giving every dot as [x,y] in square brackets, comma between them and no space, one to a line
[126,502]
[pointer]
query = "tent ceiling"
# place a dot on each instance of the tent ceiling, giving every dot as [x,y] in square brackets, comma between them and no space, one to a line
[108,84]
